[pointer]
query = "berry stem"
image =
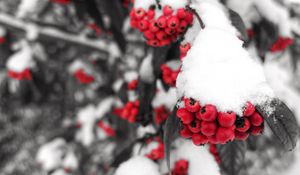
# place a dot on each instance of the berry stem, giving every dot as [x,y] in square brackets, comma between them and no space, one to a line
[197,16]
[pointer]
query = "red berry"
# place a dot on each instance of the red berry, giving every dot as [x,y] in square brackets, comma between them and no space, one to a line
[185,132]
[161,35]
[182,26]
[170,31]
[162,22]
[208,128]
[241,135]
[256,119]
[224,135]
[226,119]
[153,27]
[246,126]
[184,48]
[181,13]
[213,139]
[167,10]
[190,104]
[129,105]
[173,22]
[132,14]
[149,35]
[151,14]
[140,13]
[195,126]
[185,116]
[189,18]
[143,25]
[249,109]
[165,42]
[213,149]
[134,111]
[136,103]
[207,113]
[153,42]
[134,23]
[199,139]
[257,130]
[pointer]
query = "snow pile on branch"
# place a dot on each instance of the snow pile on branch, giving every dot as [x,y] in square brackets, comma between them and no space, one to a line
[138,165]
[49,156]
[217,69]
[70,162]
[26,7]
[201,162]
[22,59]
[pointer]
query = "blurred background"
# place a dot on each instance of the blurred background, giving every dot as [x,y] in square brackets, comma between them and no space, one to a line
[67,67]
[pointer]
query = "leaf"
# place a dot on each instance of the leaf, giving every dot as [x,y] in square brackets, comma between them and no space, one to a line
[170,133]
[282,122]
[239,24]
[146,93]
[159,57]
[122,93]
[232,157]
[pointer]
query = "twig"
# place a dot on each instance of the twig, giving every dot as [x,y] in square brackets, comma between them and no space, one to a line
[197,16]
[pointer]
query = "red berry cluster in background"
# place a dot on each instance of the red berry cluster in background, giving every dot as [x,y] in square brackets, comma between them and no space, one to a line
[184,48]
[213,150]
[132,85]
[162,30]
[181,167]
[2,40]
[157,153]
[281,44]
[207,125]
[64,2]
[24,75]
[169,75]
[130,111]
[161,114]
[83,77]
[95,28]
[109,131]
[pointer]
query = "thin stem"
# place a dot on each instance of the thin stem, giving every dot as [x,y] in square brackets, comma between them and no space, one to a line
[197,16]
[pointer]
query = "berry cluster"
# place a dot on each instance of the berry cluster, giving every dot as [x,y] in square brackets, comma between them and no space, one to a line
[161,30]
[184,48]
[2,40]
[109,131]
[24,75]
[64,2]
[132,85]
[181,167]
[281,44]
[83,77]
[161,114]
[213,150]
[130,111]
[207,125]
[157,153]
[169,76]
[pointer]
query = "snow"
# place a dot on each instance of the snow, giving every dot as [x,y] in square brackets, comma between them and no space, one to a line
[130,75]
[146,69]
[59,172]
[143,130]
[70,161]
[26,7]
[201,162]
[138,165]
[144,4]
[166,98]
[220,71]
[87,118]
[49,155]
[2,31]
[175,4]
[22,59]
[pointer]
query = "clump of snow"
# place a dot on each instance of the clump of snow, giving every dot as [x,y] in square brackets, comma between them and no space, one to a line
[26,7]
[146,69]
[138,165]
[70,161]
[217,69]
[2,31]
[175,4]
[166,98]
[144,4]
[201,162]
[22,59]
[130,75]
[32,32]
[143,130]
[50,154]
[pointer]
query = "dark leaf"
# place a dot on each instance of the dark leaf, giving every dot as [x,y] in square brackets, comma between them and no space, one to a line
[170,133]
[122,94]
[282,122]
[146,92]
[239,24]
[94,12]
[159,57]
[232,157]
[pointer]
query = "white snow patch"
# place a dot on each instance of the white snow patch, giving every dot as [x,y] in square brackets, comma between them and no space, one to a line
[218,70]
[138,165]
[144,4]
[70,161]
[175,4]
[130,75]
[166,98]
[146,69]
